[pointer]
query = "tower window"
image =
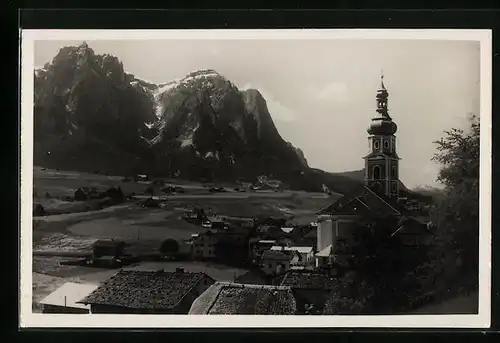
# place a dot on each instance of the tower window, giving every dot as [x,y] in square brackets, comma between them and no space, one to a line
[376,172]
[393,170]
[386,144]
[376,145]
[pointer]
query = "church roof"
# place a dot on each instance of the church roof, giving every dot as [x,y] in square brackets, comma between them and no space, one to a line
[412,225]
[366,202]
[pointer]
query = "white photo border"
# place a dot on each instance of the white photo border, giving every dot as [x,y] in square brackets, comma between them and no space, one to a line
[28,319]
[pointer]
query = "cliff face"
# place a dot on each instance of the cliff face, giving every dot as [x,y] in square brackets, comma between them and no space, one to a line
[87,112]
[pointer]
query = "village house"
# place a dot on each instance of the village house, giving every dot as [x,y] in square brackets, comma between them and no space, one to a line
[325,257]
[306,254]
[148,292]
[275,262]
[258,246]
[85,193]
[413,231]
[141,177]
[65,299]
[225,298]
[204,244]
[194,215]
[311,290]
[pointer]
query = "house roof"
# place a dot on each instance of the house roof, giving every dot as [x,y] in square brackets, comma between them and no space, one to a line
[144,289]
[232,298]
[302,250]
[69,294]
[412,225]
[325,252]
[275,255]
[300,280]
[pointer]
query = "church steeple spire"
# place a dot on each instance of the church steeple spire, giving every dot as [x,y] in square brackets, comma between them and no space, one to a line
[382,86]
[381,164]
[382,98]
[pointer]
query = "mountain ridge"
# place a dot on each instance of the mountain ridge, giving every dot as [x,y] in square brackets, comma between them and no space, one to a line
[91,114]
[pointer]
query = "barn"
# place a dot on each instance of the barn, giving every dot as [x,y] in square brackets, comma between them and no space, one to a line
[148,292]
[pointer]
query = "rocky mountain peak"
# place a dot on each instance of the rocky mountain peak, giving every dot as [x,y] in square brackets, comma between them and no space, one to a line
[89,111]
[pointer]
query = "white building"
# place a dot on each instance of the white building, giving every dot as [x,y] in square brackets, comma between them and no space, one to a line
[306,254]
[65,298]
[204,244]
[275,262]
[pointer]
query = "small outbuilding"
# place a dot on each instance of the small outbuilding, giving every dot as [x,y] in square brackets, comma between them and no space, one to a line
[65,299]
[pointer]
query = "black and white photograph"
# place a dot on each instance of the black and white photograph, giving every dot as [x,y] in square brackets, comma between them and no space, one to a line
[265,177]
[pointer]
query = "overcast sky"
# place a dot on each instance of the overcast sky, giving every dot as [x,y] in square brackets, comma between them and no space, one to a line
[321,93]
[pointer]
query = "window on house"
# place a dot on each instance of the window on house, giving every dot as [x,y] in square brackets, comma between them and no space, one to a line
[376,172]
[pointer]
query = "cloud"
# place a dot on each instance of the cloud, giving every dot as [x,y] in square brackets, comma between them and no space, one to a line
[277,110]
[335,92]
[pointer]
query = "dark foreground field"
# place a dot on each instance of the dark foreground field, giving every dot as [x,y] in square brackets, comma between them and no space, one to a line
[77,227]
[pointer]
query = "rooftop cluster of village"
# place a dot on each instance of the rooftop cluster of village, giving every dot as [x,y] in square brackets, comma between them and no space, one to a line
[292,268]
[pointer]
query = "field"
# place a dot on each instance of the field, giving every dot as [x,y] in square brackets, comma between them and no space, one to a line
[78,224]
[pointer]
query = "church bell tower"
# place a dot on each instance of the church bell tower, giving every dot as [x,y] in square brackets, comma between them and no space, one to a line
[382,162]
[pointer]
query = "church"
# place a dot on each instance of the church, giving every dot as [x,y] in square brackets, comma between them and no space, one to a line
[342,224]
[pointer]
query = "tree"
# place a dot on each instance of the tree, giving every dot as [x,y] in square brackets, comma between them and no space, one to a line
[352,294]
[456,216]
[169,247]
